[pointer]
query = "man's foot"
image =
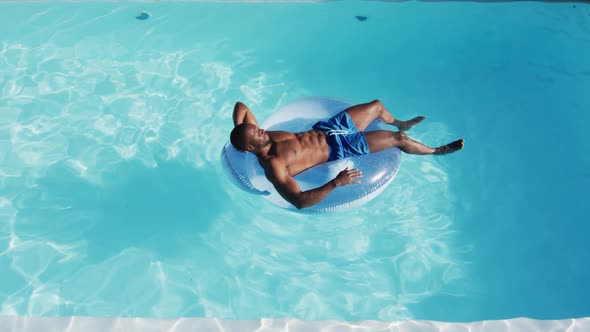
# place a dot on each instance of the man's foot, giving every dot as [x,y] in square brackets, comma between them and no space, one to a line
[406,125]
[449,148]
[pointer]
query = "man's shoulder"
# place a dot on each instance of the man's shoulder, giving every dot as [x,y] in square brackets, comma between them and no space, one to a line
[272,162]
[273,165]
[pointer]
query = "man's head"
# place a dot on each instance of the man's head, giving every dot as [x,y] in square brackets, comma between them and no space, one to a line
[248,137]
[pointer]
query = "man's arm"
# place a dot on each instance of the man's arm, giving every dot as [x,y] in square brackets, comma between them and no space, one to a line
[290,190]
[242,114]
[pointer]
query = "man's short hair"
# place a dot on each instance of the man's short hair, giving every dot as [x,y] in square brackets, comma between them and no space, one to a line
[238,136]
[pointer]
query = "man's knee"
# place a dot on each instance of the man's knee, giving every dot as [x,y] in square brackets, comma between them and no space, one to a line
[400,136]
[376,107]
[377,103]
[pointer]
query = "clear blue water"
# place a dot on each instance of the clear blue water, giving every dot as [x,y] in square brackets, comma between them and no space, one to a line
[113,201]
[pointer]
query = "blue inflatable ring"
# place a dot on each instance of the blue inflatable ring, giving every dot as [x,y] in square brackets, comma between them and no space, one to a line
[379,169]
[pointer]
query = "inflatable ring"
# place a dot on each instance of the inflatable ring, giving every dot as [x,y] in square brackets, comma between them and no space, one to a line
[379,169]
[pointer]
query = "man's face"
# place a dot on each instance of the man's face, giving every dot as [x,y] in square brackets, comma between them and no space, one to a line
[256,137]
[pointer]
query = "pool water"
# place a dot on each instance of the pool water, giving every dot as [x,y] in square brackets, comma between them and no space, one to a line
[113,201]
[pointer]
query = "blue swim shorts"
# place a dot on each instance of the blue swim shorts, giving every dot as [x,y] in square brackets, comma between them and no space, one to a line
[344,138]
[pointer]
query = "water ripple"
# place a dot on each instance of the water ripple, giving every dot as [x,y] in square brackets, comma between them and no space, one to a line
[97,144]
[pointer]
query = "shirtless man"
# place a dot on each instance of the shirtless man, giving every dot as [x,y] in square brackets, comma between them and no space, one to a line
[283,154]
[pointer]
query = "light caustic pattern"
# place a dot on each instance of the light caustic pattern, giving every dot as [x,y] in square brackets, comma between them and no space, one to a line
[72,121]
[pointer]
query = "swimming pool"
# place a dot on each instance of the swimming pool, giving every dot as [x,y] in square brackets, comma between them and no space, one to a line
[113,201]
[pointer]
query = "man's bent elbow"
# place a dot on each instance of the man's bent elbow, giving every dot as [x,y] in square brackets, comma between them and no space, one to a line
[299,203]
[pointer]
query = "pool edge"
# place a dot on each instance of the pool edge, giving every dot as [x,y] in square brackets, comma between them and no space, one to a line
[86,323]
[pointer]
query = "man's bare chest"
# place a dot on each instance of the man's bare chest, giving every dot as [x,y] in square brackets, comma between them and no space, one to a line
[300,151]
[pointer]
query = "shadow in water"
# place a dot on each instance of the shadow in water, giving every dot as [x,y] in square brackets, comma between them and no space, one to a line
[149,208]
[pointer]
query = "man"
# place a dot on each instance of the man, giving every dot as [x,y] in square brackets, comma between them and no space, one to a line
[283,154]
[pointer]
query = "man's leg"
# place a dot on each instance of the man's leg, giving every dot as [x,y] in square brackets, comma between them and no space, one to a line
[363,114]
[384,139]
